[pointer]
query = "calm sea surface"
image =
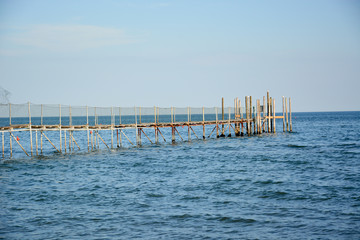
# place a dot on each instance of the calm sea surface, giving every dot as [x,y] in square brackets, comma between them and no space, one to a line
[300,185]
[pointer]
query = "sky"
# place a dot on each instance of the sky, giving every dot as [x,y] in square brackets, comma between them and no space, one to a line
[181,53]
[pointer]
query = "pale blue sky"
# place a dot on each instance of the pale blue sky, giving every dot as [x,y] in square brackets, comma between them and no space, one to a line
[181,53]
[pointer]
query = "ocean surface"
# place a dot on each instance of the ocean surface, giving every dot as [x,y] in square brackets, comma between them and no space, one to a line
[299,185]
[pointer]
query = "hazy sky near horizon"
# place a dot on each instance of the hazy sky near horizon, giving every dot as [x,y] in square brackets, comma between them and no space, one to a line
[181,53]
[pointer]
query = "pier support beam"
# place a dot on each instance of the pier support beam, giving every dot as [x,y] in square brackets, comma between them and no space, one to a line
[290,114]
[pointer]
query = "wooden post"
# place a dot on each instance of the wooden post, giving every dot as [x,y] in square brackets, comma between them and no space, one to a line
[10,143]
[158,115]
[274,118]
[222,118]
[217,123]
[117,138]
[287,116]
[156,131]
[87,128]
[189,133]
[120,128]
[283,111]
[65,142]
[136,128]
[173,134]
[36,143]
[69,141]
[268,111]
[112,128]
[251,114]
[264,116]
[270,115]
[229,135]
[59,129]
[31,143]
[203,112]
[290,114]
[92,138]
[41,122]
[258,116]
[236,108]
[241,118]
[247,114]
[171,114]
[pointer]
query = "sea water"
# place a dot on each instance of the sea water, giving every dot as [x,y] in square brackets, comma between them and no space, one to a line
[299,185]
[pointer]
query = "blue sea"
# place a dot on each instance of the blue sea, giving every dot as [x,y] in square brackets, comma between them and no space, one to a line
[299,185]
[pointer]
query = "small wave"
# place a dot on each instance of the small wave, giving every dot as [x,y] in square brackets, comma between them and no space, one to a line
[233,219]
[269,182]
[181,216]
[191,198]
[271,194]
[155,195]
[296,146]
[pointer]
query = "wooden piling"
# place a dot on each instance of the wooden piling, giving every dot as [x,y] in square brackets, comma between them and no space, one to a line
[10,143]
[189,133]
[264,116]
[203,112]
[217,123]
[229,135]
[31,143]
[70,132]
[283,112]
[274,118]
[36,143]
[287,116]
[69,141]
[268,111]
[222,117]
[112,128]
[250,116]
[120,129]
[258,128]
[60,140]
[270,115]
[247,115]
[92,142]
[87,128]
[290,115]
[136,128]
[41,122]
[65,142]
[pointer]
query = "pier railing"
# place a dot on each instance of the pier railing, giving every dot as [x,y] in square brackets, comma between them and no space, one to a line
[58,123]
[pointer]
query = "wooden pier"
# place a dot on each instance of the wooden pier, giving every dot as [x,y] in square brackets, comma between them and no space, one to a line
[252,119]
